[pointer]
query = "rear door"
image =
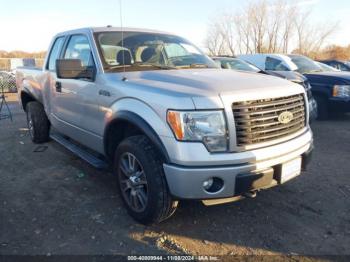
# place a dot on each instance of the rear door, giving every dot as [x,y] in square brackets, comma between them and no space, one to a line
[50,68]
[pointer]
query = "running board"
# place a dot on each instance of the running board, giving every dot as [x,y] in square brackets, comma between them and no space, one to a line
[80,152]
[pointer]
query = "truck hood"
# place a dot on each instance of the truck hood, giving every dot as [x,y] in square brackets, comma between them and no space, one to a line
[209,88]
[207,82]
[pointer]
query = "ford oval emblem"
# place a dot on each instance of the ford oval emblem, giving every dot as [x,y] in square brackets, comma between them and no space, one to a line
[285,117]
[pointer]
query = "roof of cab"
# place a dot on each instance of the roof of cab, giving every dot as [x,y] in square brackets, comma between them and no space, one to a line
[111,29]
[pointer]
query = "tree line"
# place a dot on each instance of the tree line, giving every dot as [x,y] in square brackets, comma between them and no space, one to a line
[22,54]
[270,26]
[266,26]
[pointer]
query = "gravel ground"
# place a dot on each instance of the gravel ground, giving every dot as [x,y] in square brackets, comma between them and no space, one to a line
[54,203]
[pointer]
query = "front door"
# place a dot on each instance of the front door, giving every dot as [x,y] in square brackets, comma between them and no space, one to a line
[75,103]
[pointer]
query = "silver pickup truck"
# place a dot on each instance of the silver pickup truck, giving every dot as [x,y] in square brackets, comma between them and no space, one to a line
[169,123]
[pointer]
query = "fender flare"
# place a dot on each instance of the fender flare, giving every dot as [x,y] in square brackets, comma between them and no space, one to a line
[143,126]
[28,94]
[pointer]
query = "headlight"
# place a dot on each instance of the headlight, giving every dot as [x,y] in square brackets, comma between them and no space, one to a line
[341,91]
[208,127]
[308,90]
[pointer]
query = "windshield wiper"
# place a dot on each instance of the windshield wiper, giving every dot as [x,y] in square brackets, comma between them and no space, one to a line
[194,65]
[166,67]
[163,67]
[315,71]
[198,65]
[114,67]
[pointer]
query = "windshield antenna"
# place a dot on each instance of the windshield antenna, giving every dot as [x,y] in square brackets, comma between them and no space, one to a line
[122,31]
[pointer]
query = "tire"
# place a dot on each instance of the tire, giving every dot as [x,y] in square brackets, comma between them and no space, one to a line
[148,188]
[38,123]
[322,108]
[313,110]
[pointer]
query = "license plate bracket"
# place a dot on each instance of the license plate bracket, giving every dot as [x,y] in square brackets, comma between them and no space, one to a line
[290,170]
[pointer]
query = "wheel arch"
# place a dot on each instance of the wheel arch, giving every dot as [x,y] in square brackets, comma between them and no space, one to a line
[126,124]
[26,98]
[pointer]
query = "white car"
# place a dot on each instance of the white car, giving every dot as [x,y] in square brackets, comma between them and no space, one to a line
[270,62]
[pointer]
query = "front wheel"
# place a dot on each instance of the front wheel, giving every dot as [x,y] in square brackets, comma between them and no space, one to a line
[142,182]
[322,108]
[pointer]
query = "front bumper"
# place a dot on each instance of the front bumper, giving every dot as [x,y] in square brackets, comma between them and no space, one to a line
[312,109]
[187,182]
[340,104]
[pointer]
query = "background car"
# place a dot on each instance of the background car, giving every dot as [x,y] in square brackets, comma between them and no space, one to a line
[228,62]
[327,68]
[340,65]
[331,90]
[239,64]
[7,82]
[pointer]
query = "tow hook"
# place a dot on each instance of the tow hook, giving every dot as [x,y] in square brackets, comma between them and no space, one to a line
[251,194]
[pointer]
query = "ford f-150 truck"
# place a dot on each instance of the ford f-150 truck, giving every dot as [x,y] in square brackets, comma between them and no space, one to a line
[170,124]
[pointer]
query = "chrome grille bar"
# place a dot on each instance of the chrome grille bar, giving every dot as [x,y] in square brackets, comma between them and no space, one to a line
[257,121]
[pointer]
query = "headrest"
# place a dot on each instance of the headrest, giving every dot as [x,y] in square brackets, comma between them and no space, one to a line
[147,54]
[124,57]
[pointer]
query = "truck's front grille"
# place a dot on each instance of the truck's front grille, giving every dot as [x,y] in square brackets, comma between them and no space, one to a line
[260,121]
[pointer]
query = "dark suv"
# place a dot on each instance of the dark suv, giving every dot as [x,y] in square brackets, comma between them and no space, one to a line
[341,65]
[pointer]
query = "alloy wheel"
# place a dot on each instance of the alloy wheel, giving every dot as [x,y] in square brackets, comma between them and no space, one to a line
[133,182]
[30,125]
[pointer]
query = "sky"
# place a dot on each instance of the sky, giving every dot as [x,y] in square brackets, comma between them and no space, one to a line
[29,25]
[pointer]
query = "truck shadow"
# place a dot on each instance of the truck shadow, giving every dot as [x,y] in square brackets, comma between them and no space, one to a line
[337,117]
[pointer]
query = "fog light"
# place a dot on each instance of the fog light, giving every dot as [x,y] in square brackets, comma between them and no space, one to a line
[213,185]
[208,183]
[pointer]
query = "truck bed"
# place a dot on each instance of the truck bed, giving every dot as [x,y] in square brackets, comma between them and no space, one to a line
[31,80]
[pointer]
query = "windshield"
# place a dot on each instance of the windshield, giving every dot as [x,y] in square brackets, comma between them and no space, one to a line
[327,68]
[237,64]
[148,51]
[305,65]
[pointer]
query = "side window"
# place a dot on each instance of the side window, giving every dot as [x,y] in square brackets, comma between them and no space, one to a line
[335,65]
[55,53]
[79,48]
[343,67]
[274,64]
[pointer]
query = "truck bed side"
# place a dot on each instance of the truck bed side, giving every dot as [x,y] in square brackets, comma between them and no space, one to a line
[30,84]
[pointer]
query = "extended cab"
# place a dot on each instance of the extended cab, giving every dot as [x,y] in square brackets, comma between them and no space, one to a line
[169,122]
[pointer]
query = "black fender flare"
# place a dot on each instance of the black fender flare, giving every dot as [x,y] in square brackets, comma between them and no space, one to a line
[140,123]
[25,93]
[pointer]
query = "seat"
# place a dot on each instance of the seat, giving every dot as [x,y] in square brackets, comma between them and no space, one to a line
[124,57]
[147,54]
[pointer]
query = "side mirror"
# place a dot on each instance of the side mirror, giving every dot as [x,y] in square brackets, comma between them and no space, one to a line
[73,69]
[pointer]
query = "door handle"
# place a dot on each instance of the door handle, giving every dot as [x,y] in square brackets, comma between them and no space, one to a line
[104,93]
[58,86]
